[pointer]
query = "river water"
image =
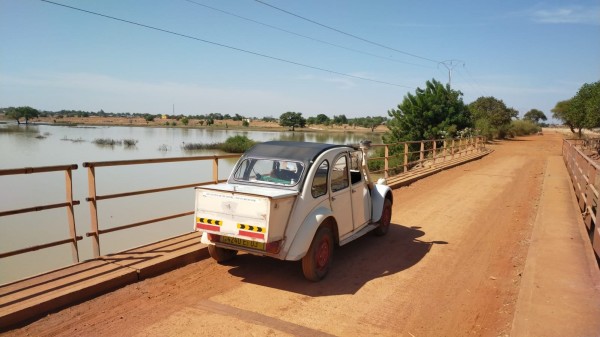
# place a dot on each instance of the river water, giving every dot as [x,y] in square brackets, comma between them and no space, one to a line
[47,145]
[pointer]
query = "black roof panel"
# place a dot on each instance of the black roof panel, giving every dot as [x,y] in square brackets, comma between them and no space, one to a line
[297,151]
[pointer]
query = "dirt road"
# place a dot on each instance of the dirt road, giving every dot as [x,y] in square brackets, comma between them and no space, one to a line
[450,266]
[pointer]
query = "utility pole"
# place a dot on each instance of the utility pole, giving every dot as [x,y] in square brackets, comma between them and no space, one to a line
[450,65]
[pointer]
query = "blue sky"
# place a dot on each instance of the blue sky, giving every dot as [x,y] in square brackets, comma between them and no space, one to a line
[530,54]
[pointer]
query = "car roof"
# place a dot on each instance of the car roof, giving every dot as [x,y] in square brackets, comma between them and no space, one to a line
[297,151]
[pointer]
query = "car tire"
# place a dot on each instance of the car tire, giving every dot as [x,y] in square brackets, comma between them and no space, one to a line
[221,254]
[316,262]
[386,218]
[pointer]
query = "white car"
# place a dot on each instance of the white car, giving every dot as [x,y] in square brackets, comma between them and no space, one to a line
[292,201]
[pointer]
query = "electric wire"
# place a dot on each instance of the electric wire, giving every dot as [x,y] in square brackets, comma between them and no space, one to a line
[345,33]
[304,36]
[226,46]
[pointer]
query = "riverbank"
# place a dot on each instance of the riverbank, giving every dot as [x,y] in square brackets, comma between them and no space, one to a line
[229,124]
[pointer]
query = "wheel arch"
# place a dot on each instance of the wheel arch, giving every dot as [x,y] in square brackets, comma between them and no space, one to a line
[306,233]
[378,195]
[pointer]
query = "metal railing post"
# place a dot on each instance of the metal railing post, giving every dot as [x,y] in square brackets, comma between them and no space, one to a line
[386,162]
[71,214]
[216,170]
[93,210]
[405,157]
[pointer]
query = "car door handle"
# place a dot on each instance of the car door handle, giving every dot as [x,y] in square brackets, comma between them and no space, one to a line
[353,191]
[332,198]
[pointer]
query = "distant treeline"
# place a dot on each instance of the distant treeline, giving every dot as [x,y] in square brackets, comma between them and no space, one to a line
[367,122]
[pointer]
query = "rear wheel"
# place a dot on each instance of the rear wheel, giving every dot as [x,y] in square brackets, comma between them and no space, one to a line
[386,218]
[221,254]
[316,262]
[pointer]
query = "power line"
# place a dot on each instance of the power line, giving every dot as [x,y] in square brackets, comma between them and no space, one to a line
[226,46]
[345,33]
[303,36]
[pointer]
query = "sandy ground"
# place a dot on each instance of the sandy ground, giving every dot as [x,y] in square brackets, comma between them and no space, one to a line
[450,266]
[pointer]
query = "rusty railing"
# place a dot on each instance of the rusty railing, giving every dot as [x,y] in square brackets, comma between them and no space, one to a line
[584,173]
[68,204]
[93,198]
[427,150]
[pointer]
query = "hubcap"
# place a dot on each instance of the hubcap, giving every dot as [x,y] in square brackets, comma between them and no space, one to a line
[323,253]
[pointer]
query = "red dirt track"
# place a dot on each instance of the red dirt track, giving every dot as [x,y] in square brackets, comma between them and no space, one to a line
[451,265]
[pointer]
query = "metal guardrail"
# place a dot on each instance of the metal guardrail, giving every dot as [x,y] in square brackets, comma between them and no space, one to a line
[69,205]
[585,176]
[431,150]
[427,150]
[94,197]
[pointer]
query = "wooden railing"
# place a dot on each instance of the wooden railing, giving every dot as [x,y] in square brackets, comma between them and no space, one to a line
[418,153]
[585,177]
[93,197]
[68,204]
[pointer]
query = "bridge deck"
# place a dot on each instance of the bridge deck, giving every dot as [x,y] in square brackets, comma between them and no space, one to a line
[33,297]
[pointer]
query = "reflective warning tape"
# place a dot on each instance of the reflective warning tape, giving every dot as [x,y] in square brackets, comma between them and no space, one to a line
[250,228]
[210,221]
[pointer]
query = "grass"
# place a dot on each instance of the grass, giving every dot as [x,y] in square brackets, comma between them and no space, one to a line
[107,142]
[235,144]
[113,142]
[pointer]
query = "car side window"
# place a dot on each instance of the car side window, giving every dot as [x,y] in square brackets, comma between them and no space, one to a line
[319,183]
[339,174]
[355,167]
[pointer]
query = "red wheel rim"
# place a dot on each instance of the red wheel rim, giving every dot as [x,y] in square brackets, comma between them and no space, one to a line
[323,254]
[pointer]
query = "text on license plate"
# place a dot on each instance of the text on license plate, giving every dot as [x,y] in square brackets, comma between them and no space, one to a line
[243,243]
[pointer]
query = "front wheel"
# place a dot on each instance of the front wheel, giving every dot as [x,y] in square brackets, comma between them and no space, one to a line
[316,262]
[221,254]
[386,218]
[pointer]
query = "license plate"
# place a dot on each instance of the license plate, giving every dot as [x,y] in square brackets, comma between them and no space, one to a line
[243,243]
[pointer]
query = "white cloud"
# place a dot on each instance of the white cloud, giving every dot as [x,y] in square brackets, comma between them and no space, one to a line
[570,15]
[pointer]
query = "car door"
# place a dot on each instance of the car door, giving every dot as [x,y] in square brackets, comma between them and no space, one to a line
[361,199]
[341,200]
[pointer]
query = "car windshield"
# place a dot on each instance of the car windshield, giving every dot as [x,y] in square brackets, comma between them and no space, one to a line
[269,171]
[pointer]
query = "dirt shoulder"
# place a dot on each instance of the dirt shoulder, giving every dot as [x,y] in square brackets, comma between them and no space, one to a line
[452,264]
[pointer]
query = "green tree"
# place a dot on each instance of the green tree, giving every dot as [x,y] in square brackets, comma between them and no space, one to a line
[149,118]
[293,119]
[430,113]
[496,114]
[535,116]
[587,100]
[25,112]
[582,111]
[339,120]
[185,121]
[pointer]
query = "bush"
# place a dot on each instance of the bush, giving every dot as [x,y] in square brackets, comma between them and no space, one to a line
[523,128]
[107,142]
[130,142]
[237,144]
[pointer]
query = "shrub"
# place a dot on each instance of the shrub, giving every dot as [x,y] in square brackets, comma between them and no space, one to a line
[130,142]
[107,142]
[237,144]
[523,127]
